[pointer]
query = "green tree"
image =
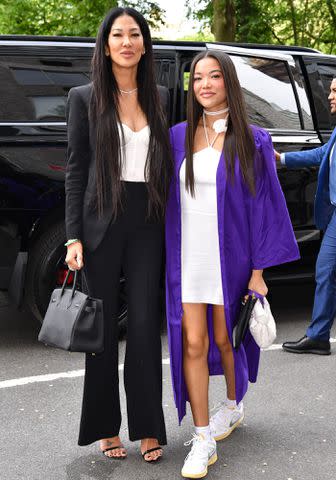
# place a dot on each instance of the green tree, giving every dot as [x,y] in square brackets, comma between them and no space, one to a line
[229,20]
[224,20]
[310,23]
[66,17]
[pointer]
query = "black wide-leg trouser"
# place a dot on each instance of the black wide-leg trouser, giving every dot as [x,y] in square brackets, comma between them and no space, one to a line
[133,245]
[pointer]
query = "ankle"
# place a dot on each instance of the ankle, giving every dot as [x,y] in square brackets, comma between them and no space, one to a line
[230,403]
[149,441]
[110,439]
[205,432]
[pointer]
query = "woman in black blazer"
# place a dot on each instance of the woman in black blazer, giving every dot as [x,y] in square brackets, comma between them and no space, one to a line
[117,178]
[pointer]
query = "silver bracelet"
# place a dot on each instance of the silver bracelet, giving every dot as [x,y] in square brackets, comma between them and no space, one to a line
[71,241]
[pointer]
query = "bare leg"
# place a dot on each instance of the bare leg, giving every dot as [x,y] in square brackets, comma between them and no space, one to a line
[195,360]
[225,348]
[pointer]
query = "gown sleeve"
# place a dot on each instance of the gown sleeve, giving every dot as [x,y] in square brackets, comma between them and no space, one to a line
[272,237]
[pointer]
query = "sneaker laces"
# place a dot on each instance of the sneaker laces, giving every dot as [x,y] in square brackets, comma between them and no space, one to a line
[195,438]
[195,442]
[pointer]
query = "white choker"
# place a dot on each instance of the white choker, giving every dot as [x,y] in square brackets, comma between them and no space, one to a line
[128,91]
[219,112]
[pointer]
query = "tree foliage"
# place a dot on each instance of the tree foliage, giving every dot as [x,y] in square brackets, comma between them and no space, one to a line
[310,23]
[66,17]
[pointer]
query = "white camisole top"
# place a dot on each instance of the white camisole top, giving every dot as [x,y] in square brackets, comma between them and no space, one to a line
[134,155]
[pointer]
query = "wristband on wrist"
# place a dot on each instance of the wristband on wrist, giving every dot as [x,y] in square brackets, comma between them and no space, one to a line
[71,241]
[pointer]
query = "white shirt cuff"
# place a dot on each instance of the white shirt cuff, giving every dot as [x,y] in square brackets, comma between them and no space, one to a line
[282,159]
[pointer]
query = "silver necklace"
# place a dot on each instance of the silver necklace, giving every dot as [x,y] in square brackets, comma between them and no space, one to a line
[219,112]
[220,126]
[128,91]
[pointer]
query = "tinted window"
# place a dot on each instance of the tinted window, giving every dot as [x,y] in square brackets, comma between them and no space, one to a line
[27,76]
[35,89]
[165,72]
[320,75]
[268,92]
[327,73]
[303,97]
[165,75]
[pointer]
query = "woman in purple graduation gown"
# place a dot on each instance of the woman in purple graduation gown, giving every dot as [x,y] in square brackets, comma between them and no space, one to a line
[226,221]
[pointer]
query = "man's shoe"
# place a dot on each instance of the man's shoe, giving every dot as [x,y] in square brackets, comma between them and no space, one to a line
[225,420]
[308,345]
[203,453]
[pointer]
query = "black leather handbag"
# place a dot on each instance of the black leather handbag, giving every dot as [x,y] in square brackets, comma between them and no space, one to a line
[242,325]
[74,321]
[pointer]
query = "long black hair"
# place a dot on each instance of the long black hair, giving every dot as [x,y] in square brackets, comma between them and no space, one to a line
[238,138]
[104,113]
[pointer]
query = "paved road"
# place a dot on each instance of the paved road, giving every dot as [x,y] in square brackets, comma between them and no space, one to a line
[289,429]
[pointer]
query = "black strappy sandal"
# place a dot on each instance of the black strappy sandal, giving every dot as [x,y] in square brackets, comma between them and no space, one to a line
[152,450]
[121,457]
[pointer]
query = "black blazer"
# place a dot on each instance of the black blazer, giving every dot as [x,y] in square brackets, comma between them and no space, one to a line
[81,219]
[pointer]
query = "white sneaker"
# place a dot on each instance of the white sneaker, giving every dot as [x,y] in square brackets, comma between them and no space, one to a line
[225,420]
[203,453]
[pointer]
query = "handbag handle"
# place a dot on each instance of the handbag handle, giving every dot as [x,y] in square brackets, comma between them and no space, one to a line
[66,281]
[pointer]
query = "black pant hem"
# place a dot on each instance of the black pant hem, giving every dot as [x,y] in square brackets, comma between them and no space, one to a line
[162,439]
[83,442]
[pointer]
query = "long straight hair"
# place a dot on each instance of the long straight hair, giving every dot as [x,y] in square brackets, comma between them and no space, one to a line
[239,139]
[104,114]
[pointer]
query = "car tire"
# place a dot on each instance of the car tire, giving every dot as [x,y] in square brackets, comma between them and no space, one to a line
[45,258]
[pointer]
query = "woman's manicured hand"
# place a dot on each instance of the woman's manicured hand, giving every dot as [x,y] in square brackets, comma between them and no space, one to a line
[74,257]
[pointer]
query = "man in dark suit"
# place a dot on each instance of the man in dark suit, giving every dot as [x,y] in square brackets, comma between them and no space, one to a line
[317,337]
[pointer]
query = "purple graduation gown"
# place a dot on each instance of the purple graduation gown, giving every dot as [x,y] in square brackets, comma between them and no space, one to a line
[255,232]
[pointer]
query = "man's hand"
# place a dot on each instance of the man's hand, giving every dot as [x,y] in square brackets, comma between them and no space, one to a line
[277,155]
[74,257]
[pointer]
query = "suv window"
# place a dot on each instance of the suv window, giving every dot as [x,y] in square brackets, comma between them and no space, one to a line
[303,95]
[36,88]
[327,73]
[165,75]
[268,92]
[321,72]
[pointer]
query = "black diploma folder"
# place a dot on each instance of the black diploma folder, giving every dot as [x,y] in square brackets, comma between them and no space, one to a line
[239,331]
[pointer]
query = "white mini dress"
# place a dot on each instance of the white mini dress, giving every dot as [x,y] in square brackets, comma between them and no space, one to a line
[201,270]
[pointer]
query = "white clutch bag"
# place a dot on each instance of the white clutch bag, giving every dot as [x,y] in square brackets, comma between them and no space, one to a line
[262,324]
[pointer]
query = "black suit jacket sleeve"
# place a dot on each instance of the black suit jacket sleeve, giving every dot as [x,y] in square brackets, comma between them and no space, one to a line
[78,158]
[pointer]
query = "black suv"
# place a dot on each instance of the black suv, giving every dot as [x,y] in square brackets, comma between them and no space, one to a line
[286,90]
